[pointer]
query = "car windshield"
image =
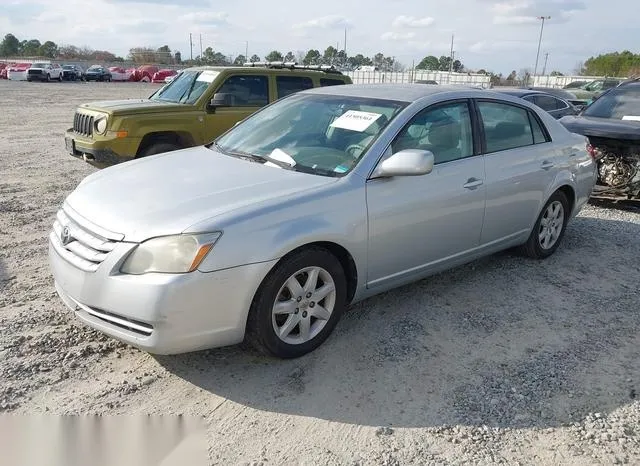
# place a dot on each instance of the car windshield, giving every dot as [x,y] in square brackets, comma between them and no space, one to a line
[68,67]
[622,103]
[186,88]
[39,65]
[322,134]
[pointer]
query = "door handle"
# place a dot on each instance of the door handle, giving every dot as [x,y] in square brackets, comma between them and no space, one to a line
[546,165]
[472,183]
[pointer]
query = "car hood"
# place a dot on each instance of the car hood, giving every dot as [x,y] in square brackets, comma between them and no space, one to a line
[167,193]
[122,107]
[602,127]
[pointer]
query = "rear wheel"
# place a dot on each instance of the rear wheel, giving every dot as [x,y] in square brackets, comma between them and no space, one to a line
[60,77]
[48,77]
[298,304]
[549,228]
[159,148]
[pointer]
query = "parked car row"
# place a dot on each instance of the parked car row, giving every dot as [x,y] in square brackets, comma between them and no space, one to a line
[304,193]
[73,72]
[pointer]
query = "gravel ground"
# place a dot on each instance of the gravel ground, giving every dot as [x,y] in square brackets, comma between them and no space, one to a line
[502,361]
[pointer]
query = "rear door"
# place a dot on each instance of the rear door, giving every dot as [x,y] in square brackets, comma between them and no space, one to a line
[520,163]
[287,84]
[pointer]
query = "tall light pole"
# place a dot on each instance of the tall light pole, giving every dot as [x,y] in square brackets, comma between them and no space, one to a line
[535,70]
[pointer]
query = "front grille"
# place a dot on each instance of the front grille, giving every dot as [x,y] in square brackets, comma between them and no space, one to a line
[34,71]
[83,124]
[132,325]
[78,245]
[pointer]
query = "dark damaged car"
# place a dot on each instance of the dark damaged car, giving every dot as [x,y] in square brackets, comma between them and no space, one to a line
[612,125]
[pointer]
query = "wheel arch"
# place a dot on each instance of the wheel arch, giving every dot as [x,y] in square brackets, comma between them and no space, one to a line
[339,252]
[181,139]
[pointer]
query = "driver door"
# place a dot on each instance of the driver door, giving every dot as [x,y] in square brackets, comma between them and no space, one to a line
[421,223]
[250,92]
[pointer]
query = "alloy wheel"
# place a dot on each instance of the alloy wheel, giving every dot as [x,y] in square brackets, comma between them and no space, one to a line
[303,305]
[551,225]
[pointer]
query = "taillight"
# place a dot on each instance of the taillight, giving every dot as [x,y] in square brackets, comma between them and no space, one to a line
[593,152]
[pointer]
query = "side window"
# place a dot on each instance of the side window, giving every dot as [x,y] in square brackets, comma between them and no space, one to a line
[538,135]
[330,82]
[546,102]
[444,130]
[505,126]
[290,84]
[247,90]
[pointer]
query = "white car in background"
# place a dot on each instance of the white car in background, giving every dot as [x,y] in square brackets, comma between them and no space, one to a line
[118,73]
[41,71]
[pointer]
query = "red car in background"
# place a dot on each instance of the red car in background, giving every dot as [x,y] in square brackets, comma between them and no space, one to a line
[3,70]
[118,73]
[161,75]
[18,71]
[145,73]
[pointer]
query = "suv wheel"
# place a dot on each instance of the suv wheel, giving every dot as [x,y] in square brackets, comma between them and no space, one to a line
[159,148]
[48,77]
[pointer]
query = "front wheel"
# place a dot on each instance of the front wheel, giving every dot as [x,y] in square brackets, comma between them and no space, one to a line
[59,78]
[159,148]
[48,77]
[549,228]
[298,304]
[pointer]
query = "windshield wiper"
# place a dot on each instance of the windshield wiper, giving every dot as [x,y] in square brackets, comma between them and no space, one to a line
[252,157]
[191,86]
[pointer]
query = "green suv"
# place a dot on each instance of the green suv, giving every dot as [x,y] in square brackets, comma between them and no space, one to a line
[198,105]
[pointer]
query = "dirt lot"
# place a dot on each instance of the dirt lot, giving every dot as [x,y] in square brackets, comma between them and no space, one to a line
[505,360]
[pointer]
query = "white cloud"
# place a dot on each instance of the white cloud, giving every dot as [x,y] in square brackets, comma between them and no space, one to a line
[412,22]
[397,35]
[324,22]
[527,11]
[217,18]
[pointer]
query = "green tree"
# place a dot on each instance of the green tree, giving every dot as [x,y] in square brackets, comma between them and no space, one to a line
[254,58]
[329,55]
[30,48]
[428,63]
[289,57]
[612,64]
[240,60]
[48,49]
[274,55]
[359,60]
[312,57]
[556,73]
[10,46]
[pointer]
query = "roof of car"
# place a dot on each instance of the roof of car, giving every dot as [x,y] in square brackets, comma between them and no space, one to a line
[519,92]
[265,68]
[399,92]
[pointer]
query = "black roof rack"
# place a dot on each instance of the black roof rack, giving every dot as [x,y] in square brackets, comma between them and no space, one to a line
[293,66]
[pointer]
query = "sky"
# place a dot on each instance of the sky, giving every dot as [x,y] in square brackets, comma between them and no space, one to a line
[498,36]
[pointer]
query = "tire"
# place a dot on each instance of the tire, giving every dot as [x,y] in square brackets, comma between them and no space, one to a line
[302,331]
[159,148]
[60,78]
[537,246]
[48,77]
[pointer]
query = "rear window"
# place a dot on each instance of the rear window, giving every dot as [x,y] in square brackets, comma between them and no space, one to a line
[330,82]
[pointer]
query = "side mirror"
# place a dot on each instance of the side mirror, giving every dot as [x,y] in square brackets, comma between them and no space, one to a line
[408,162]
[221,99]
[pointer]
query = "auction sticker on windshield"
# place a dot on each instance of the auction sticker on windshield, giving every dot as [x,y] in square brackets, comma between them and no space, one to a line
[355,120]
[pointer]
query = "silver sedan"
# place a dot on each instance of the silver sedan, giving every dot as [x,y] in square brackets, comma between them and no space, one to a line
[319,200]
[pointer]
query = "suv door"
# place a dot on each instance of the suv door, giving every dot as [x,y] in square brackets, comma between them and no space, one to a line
[249,93]
[519,168]
[287,84]
[418,223]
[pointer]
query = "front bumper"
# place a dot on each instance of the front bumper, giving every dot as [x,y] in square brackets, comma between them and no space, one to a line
[103,152]
[158,313]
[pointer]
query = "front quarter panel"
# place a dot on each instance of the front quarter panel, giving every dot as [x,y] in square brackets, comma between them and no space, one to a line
[335,213]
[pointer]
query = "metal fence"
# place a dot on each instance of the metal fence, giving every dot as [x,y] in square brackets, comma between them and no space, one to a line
[559,81]
[411,76]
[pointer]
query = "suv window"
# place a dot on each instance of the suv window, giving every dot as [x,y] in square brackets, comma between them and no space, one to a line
[289,84]
[507,126]
[247,90]
[444,130]
[330,82]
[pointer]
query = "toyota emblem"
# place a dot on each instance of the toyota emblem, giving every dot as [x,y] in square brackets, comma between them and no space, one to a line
[65,236]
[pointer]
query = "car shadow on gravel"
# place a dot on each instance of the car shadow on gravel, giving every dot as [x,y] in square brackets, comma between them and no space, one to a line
[504,341]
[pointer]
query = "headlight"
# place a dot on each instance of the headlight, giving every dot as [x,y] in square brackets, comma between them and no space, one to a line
[101,125]
[170,254]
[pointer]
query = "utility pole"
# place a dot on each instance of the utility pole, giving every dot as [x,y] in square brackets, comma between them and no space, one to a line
[535,70]
[200,46]
[451,59]
[544,68]
[246,51]
[191,45]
